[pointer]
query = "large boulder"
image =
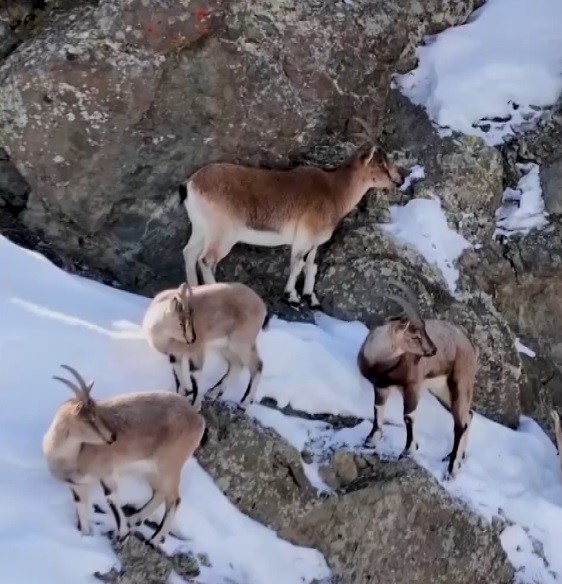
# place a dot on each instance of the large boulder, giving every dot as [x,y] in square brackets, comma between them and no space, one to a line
[108,106]
[394,524]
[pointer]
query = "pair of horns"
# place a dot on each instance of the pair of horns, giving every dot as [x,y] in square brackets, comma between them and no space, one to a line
[367,134]
[409,303]
[81,389]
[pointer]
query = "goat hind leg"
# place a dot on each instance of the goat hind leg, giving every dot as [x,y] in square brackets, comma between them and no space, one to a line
[191,253]
[255,365]
[217,250]
[310,271]
[291,295]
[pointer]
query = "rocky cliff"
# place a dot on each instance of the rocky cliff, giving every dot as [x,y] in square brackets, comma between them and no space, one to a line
[105,106]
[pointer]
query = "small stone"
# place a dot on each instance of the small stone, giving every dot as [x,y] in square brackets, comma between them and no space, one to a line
[328,475]
[307,456]
[344,466]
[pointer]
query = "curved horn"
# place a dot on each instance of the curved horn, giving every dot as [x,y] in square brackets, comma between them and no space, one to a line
[408,293]
[410,311]
[77,390]
[84,387]
[185,293]
[368,130]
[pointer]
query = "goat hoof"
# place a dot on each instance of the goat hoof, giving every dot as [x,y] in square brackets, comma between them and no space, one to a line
[291,299]
[312,301]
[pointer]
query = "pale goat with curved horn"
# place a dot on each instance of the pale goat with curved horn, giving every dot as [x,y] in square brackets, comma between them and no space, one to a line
[186,324]
[412,353]
[231,203]
[96,440]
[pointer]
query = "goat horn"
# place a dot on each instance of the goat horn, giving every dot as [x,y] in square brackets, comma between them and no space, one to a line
[365,126]
[410,311]
[408,292]
[186,293]
[75,388]
[83,385]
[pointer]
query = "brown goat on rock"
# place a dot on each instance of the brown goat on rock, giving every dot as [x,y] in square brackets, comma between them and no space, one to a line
[230,203]
[411,354]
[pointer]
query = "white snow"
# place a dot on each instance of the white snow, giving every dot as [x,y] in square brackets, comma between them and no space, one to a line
[49,317]
[523,207]
[494,73]
[524,349]
[417,172]
[422,224]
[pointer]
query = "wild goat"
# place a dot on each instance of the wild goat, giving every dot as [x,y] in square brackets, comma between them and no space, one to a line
[231,203]
[91,441]
[184,324]
[410,354]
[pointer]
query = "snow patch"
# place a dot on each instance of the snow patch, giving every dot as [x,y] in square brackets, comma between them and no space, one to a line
[422,224]
[523,207]
[521,348]
[494,75]
[417,172]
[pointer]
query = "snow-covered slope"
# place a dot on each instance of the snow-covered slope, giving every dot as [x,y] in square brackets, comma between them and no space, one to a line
[49,317]
[493,75]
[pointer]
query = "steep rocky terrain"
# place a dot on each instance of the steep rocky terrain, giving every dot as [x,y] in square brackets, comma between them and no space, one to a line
[105,106]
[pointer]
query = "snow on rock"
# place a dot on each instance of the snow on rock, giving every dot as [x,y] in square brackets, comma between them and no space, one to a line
[493,75]
[523,207]
[524,349]
[417,172]
[422,224]
[48,318]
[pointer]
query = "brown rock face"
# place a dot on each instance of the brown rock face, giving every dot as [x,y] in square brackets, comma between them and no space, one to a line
[108,106]
[393,524]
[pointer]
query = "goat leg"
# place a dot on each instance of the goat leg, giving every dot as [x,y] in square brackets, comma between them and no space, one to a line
[410,406]
[374,435]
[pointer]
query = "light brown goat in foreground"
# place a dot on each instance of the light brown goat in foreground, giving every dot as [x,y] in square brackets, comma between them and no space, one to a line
[185,324]
[90,441]
[231,203]
[410,354]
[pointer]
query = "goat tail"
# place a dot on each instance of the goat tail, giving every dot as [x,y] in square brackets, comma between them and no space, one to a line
[182,191]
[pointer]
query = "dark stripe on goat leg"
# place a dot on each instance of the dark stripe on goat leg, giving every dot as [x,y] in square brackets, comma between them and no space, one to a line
[451,457]
[107,491]
[195,388]
[167,511]
[409,432]
[75,496]
[259,369]
[380,400]
[173,361]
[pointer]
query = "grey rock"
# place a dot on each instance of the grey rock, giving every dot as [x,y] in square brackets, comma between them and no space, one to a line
[551,181]
[14,190]
[110,105]
[397,521]
[345,466]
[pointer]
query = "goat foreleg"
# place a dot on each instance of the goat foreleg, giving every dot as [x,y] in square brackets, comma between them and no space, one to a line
[381,395]
[411,399]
